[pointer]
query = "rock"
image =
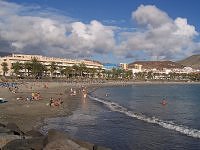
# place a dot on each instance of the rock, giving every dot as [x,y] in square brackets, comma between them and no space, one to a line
[4,130]
[84,144]
[13,127]
[25,144]
[54,135]
[2,125]
[60,140]
[4,139]
[63,144]
[34,133]
[90,146]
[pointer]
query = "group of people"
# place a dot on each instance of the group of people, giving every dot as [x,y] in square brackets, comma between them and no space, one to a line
[83,91]
[55,102]
[35,96]
[13,89]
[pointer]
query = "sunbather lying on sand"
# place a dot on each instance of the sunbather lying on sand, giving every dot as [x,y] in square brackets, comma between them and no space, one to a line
[55,102]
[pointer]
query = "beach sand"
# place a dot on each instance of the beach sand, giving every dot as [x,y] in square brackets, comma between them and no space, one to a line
[29,115]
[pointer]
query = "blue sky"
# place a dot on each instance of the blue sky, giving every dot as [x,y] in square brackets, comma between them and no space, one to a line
[107,30]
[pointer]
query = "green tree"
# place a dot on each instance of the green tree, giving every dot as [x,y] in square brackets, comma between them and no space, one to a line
[68,70]
[128,74]
[28,67]
[36,67]
[17,67]
[75,70]
[91,72]
[53,68]
[4,68]
[150,75]
[44,70]
[82,68]
[140,75]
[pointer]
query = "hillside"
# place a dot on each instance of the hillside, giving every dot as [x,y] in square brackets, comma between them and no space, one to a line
[159,65]
[192,61]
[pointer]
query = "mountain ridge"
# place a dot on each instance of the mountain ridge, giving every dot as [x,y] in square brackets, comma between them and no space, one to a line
[191,61]
[159,65]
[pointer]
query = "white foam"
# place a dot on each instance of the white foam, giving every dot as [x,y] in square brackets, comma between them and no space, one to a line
[166,124]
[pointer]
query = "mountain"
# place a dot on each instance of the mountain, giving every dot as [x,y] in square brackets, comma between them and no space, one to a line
[2,54]
[159,65]
[192,61]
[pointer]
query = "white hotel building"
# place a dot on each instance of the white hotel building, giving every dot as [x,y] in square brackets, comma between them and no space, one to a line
[61,62]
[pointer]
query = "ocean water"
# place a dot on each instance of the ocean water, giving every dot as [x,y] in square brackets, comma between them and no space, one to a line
[132,117]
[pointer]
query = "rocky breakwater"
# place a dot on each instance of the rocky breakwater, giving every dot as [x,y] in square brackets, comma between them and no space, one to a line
[12,138]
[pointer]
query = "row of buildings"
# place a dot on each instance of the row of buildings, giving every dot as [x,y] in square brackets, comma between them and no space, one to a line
[61,62]
[161,67]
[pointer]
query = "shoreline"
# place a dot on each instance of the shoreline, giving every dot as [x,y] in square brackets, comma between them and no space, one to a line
[29,115]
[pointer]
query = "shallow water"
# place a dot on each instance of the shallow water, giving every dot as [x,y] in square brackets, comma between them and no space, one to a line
[132,117]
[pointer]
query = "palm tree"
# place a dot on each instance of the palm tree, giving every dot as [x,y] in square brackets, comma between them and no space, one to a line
[128,74]
[44,69]
[140,75]
[4,68]
[17,67]
[114,73]
[99,72]
[150,75]
[82,68]
[36,67]
[68,71]
[28,67]
[75,70]
[53,67]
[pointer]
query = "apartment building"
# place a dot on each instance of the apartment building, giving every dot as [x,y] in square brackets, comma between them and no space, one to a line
[61,62]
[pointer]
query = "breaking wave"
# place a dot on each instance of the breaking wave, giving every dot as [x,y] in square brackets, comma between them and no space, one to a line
[165,124]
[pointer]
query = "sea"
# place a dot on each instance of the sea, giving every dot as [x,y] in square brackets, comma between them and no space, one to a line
[132,117]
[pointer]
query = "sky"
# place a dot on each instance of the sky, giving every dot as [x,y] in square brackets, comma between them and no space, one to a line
[110,31]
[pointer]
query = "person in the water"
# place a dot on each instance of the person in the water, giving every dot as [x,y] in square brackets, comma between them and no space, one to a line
[164,102]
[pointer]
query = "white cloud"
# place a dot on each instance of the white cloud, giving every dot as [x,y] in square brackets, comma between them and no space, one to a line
[150,16]
[32,29]
[52,35]
[184,29]
[162,36]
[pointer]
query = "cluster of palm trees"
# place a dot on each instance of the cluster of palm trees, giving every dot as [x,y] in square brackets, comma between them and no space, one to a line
[36,69]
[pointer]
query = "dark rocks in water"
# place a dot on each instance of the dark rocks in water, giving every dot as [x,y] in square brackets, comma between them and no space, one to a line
[6,138]
[9,133]
[60,140]
[63,144]
[12,138]
[25,144]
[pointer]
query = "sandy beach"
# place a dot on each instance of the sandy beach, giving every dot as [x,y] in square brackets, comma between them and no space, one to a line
[30,114]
